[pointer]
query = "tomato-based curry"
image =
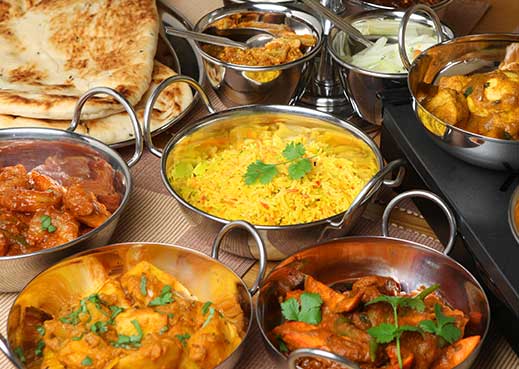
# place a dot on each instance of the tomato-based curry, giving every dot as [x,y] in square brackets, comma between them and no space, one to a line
[375,325]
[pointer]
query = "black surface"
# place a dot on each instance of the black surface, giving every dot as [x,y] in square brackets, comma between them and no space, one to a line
[476,195]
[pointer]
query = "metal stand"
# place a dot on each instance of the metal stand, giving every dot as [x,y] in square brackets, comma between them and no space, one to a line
[324,91]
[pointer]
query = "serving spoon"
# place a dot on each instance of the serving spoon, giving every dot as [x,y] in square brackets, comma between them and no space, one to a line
[258,40]
[339,22]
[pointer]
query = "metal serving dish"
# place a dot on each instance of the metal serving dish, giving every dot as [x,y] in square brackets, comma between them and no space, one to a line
[357,6]
[364,87]
[283,240]
[346,259]
[27,145]
[77,277]
[513,214]
[463,55]
[232,83]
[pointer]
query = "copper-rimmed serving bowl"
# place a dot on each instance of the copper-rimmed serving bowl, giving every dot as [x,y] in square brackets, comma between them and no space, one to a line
[284,239]
[461,56]
[237,84]
[83,274]
[341,261]
[513,214]
[366,88]
[30,147]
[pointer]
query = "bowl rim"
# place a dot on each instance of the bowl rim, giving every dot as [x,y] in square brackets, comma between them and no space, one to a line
[439,5]
[497,36]
[121,245]
[401,242]
[370,14]
[52,134]
[225,11]
[267,109]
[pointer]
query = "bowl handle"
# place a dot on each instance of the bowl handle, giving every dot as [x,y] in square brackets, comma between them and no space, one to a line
[127,106]
[153,98]
[4,347]
[259,242]
[418,8]
[322,354]
[367,191]
[425,195]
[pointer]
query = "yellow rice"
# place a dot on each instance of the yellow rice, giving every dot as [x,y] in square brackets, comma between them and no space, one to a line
[209,175]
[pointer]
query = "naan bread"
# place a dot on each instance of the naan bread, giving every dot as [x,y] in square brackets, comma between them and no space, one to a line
[52,51]
[117,127]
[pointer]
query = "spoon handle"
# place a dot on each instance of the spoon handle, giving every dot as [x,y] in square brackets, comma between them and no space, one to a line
[203,37]
[338,21]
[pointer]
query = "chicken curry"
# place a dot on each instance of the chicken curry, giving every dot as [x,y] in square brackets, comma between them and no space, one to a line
[287,46]
[482,103]
[144,318]
[54,202]
[375,325]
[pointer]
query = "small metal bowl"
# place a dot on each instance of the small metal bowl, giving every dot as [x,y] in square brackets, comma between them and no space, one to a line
[463,55]
[78,276]
[27,146]
[365,88]
[232,82]
[513,214]
[286,239]
[344,260]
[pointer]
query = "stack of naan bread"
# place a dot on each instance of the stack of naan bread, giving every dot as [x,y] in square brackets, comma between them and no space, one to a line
[52,51]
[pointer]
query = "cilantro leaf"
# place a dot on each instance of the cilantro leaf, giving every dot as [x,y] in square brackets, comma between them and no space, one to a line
[165,297]
[281,344]
[373,348]
[38,351]
[87,361]
[143,285]
[260,171]
[468,91]
[444,326]
[383,333]
[183,338]
[205,307]
[298,169]
[290,309]
[293,151]
[41,330]
[46,224]
[309,311]
[19,352]
[209,317]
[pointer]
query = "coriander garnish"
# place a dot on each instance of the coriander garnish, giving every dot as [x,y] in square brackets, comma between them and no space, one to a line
[265,173]
[143,284]
[309,311]
[209,317]
[87,361]
[385,332]
[165,297]
[205,307]
[41,330]
[183,338]
[46,224]
[19,352]
[468,91]
[444,326]
[128,342]
[38,351]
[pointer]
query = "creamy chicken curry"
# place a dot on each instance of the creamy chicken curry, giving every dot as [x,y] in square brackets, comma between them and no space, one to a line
[482,103]
[143,319]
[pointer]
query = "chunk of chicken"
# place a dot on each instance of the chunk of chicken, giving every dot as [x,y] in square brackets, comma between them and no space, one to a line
[449,106]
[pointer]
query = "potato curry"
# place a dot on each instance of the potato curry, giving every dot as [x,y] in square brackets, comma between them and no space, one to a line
[375,325]
[144,318]
[55,202]
[287,46]
[482,103]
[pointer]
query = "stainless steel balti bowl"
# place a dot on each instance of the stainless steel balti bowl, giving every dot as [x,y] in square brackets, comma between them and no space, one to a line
[78,276]
[463,55]
[238,85]
[31,146]
[286,239]
[341,261]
